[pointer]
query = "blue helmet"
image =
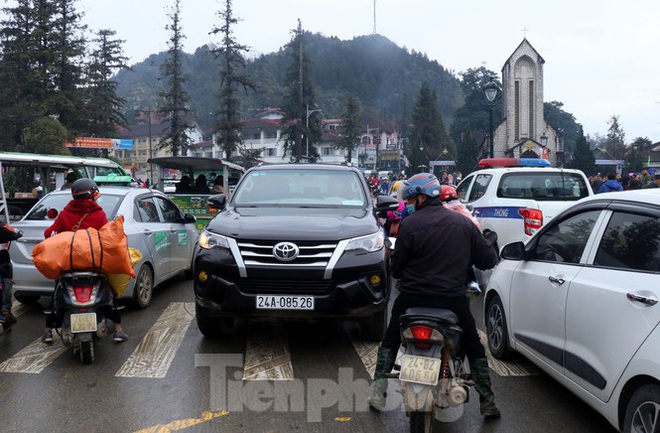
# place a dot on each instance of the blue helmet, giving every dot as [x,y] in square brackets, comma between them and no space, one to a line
[422,183]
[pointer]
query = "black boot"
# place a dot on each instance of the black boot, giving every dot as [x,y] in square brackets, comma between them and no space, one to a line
[481,376]
[384,363]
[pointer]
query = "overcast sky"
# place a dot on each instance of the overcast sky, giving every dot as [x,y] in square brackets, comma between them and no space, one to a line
[602,56]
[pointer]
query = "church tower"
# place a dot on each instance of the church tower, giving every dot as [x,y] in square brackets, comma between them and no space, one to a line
[524,132]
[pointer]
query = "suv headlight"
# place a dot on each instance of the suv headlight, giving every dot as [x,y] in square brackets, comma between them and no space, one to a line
[208,240]
[368,243]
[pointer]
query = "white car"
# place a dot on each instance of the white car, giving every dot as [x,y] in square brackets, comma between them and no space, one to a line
[515,197]
[152,222]
[580,300]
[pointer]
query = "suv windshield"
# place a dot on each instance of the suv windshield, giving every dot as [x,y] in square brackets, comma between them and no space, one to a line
[109,203]
[300,187]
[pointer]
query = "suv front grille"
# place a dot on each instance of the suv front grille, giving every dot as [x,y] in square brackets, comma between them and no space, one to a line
[311,254]
[285,287]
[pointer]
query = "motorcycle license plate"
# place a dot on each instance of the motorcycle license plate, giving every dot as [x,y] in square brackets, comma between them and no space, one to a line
[270,302]
[84,322]
[419,369]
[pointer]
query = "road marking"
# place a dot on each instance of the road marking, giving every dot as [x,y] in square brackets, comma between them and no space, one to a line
[17,308]
[182,424]
[368,352]
[154,355]
[34,357]
[267,356]
[506,368]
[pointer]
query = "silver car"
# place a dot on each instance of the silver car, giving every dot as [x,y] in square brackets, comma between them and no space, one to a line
[152,222]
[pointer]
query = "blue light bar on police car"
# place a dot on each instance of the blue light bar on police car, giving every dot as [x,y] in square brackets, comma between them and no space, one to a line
[513,162]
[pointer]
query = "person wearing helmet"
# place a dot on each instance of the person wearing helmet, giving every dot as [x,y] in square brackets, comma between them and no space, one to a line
[450,201]
[435,248]
[80,213]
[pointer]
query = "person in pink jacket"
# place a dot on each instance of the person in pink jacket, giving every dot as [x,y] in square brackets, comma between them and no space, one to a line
[450,201]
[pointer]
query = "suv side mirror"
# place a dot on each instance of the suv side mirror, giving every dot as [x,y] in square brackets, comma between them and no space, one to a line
[217,201]
[513,251]
[189,218]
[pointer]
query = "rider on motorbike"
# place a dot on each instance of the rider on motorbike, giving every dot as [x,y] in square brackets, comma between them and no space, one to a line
[80,213]
[435,248]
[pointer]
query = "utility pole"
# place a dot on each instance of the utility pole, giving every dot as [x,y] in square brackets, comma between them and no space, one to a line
[300,98]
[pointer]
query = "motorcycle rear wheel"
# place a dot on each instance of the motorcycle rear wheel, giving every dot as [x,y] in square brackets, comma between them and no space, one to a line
[421,422]
[87,352]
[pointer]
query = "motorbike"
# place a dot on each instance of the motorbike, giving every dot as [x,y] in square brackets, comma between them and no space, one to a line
[434,373]
[84,301]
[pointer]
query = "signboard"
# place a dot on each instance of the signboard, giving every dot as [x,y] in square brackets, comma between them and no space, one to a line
[91,143]
[118,144]
[195,204]
[388,155]
[443,163]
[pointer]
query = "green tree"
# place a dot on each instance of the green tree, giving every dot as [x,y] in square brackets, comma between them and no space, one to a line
[469,152]
[298,97]
[427,138]
[473,118]
[639,153]
[563,123]
[174,100]
[583,158]
[104,106]
[350,128]
[615,139]
[45,135]
[233,76]
[69,48]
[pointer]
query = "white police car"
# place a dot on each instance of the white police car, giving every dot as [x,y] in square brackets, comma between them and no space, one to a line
[514,197]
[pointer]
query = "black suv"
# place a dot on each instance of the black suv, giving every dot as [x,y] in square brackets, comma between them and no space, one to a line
[295,241]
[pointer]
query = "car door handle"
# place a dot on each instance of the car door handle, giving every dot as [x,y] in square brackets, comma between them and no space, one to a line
[148,232]
[643,299]
[559,281]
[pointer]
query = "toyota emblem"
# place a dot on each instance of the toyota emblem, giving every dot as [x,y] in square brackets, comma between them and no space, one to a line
[285,251]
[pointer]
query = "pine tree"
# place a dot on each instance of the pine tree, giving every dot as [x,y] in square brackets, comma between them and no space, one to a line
[350,128]
[583,158]
[298,97]
[104,106]
[69,47]
[427,137]
[615,140]
[229,125]
[174,101]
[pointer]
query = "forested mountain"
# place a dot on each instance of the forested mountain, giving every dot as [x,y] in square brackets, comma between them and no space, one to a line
[384,77]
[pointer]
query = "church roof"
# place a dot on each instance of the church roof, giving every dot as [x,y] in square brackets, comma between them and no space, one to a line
[524,42]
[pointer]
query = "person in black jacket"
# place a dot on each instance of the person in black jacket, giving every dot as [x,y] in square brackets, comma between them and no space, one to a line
[434,250]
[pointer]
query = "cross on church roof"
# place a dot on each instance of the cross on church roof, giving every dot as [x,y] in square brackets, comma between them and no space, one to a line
[525,30]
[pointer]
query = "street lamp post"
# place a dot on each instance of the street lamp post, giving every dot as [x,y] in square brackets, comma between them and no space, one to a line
[308,112]
[490,92]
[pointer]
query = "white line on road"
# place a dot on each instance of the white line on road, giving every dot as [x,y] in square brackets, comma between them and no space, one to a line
[267,357]
[154,355]
[34,357]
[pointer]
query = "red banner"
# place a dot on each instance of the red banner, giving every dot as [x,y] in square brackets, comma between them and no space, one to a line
[91,143]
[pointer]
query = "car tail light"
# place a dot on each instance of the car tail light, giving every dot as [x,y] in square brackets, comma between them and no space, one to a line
[532,219]
[83,293]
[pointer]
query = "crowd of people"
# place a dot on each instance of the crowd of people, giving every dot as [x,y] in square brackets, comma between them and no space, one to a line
[618,182]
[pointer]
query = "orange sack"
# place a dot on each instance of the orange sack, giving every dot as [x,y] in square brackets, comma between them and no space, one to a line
[104,250]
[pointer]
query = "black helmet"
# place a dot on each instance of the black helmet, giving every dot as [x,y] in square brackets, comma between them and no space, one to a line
[84,188]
